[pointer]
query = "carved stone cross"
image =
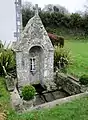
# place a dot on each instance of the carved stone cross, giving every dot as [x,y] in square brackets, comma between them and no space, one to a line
[36,9]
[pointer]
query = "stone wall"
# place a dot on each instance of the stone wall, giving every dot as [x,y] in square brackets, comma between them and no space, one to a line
[21,106]
[57,102]
[60,101]
[70,85]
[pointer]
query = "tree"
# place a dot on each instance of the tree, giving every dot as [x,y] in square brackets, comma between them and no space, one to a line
[75,20]
[55,8]
[54,16]
[1,45]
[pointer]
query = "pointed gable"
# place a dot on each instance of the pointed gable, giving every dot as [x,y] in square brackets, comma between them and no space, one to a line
[34,32]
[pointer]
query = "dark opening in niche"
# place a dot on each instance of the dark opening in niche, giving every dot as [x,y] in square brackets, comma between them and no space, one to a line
[39,88]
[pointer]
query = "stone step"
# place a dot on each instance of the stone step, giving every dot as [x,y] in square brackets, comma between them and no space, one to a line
[49,96]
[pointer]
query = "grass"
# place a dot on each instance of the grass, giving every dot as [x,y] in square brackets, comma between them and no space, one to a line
[79,52]
[78,45]
[4,96]
[75,110]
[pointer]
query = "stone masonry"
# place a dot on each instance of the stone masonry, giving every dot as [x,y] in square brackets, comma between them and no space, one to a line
[68,84]
[34,54]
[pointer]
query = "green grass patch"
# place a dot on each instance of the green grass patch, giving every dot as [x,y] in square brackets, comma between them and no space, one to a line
[79,52]
[4,96]
[76,110]
[77,43]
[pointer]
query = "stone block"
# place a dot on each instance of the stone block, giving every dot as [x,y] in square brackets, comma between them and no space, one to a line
[68,84]
[10,83]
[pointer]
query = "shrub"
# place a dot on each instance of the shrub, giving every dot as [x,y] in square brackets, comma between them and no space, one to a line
[7,60]
[28,92]
[83,80]
[62,58]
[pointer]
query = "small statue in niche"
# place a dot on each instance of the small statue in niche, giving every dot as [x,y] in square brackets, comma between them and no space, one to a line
[32,65]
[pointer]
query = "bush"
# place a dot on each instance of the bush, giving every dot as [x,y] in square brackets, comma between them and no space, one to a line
[7,60]
[28,92]
[83,80]
[62,58]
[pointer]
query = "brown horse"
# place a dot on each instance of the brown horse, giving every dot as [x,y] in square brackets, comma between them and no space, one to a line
[55,39]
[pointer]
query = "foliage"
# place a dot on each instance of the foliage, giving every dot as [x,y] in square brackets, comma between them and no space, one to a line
[1,45]
[62,58]
[28,92]
[85,23]
[4,96]
[7,60]
[55,8]
[56,40]
[26,15]
[58,18]
[75,20]
[83,79]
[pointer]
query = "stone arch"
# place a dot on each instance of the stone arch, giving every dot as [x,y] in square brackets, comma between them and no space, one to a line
[36,61]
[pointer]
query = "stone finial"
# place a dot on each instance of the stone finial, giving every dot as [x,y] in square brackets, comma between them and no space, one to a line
[36,9]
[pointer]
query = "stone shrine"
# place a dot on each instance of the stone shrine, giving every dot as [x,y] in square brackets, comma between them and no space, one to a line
[34,54]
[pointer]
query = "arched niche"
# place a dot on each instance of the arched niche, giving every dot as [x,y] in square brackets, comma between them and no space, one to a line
[36,63]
